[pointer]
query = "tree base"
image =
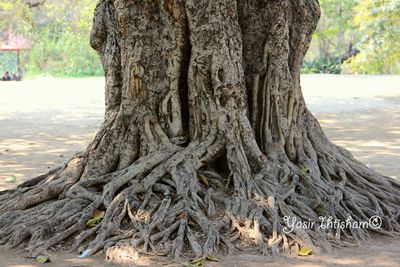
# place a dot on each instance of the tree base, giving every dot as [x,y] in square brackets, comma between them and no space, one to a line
[177,201]
[207,146]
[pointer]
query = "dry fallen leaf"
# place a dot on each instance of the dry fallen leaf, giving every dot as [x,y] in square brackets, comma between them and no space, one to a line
[97,217]
[204,180]
[304,251]
[98,213]
[10,179]
[200,262]
[212,258]
[42,259]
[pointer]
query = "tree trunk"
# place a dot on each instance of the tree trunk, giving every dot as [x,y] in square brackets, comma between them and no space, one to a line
[207,144]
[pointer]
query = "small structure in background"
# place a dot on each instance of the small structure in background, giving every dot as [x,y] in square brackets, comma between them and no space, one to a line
[12,42]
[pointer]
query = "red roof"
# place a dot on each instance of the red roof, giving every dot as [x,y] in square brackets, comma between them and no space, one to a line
[10,41]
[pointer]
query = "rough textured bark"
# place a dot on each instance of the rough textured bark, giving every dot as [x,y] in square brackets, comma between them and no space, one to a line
[206,144]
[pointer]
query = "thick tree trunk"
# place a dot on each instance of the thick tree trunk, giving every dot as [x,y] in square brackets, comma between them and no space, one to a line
[207,143]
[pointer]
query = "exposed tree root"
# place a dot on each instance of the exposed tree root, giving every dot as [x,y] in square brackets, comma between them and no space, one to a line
[171,203]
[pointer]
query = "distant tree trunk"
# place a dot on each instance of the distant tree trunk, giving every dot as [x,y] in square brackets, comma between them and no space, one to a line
[207,143]
[340,35]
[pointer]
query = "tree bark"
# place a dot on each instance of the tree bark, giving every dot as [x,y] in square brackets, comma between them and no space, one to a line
[207,144]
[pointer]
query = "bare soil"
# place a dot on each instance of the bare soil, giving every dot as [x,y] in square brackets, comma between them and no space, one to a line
[43,123]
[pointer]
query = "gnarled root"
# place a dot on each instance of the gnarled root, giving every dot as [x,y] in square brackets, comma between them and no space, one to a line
[172,203]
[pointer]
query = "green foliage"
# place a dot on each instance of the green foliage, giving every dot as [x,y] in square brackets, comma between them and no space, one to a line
[65,54]
[363,36]
[8,61]
[15,15]
[335,21]
[379,21]
[59,32]
[322,65]
[334,35]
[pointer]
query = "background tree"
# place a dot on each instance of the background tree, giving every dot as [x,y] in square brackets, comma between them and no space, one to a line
[207,143]
[379,23]
[62,30]
[335,37]
[59,32]
[15,17]
[356,37]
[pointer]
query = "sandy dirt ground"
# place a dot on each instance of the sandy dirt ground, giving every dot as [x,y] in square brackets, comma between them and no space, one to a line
[43,122]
